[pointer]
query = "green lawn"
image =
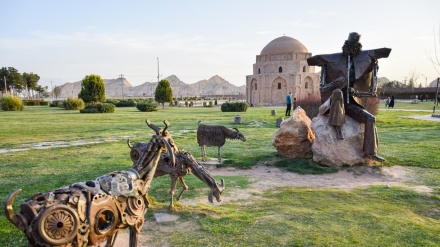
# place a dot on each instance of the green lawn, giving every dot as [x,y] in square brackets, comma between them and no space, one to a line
[286,216]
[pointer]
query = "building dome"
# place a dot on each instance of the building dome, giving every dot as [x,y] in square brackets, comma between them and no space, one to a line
[283,44]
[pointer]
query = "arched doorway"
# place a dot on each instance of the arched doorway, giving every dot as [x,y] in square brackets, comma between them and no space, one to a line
[255,96]
[279,91]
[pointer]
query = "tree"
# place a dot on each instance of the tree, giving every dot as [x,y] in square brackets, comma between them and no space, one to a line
[13,79]
[92,89]
[393,84]
[413,77]
[435,59]
[31,82]
[163,92]
[56,91]
[42,91]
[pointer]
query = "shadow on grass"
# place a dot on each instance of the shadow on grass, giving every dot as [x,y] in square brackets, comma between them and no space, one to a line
[303,166]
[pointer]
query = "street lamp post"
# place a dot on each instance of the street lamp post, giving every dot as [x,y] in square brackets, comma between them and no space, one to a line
[426,80]
[122,81]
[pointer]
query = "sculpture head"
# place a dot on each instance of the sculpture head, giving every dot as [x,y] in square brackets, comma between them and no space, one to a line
[352,46]
[149,153]
[239,135]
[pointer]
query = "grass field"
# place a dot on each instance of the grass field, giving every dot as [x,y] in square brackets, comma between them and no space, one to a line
[282,217]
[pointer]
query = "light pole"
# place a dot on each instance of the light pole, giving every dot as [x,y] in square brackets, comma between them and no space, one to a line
[426,80]
[122,81]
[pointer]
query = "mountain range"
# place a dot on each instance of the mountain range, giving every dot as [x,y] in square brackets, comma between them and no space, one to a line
[216,85]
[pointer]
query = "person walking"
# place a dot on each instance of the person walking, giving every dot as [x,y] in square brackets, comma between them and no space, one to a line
[387,102]
[289,103]
[391,104]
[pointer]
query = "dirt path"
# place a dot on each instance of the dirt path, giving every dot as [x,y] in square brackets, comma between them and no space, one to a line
[263,178]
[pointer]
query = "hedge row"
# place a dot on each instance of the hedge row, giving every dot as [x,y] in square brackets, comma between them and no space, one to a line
[147,106]
[234,107]
[35,102]
[99,108]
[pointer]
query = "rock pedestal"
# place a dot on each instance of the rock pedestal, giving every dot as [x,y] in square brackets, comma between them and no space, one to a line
[330,151]
[294,138]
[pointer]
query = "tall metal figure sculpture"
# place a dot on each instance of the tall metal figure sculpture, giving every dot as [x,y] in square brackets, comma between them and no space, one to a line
[345,77]
[92,212]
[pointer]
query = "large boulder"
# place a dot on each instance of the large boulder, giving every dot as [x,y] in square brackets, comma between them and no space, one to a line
[294,138]
[330,151]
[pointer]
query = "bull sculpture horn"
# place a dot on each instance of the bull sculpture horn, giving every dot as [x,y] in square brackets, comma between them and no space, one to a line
[222,185]
[153,127]
[167,124]
[16,220]
[235,129]
[128,143]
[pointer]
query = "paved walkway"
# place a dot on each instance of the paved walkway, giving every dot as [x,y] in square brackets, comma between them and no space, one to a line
[426,117]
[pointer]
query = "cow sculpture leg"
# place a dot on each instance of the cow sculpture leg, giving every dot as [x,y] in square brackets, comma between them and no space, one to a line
[135,230]
[111,240]
[173,189]
[219,155]
[202,147]
[184,187]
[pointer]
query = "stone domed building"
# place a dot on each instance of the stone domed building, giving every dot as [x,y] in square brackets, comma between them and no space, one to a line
[281,68]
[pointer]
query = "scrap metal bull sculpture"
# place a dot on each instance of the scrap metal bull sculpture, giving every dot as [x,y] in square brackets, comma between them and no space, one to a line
[184,164]
[90,213]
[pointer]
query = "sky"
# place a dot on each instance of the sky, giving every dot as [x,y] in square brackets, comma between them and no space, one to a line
[63,41]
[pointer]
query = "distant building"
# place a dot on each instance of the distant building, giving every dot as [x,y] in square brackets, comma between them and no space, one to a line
[281,68]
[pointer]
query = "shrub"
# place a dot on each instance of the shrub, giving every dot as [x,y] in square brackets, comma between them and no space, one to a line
[371,104]
[191,103]
[108,108]
[11,103]
[234,107]
[186,103]
[147,106]
[310,105]
[125,103]
[99,108]
[56,103]
[34,102]
[29,103]
[112,101]
[90,109]
[207,104]
[215,102]
[73,104]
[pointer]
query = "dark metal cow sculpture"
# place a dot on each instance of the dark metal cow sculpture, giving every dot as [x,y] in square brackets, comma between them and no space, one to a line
[184,164]
[90,213]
